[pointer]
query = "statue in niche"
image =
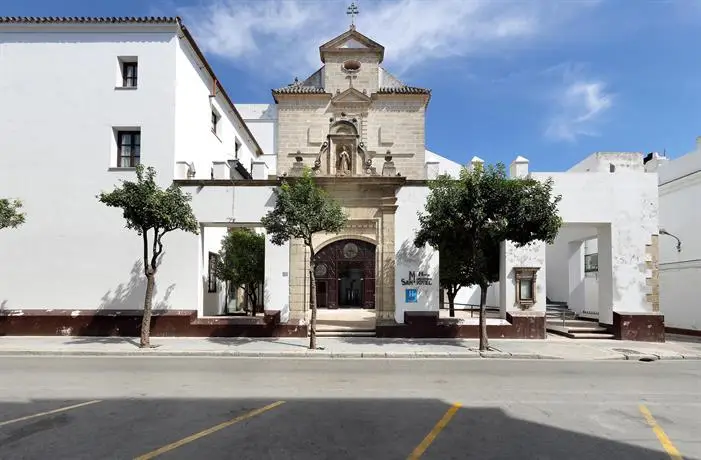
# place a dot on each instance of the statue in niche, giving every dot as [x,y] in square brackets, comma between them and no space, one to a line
[344,162]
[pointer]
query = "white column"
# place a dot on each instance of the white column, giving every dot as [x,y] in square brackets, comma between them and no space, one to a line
[577,297]
[606,275]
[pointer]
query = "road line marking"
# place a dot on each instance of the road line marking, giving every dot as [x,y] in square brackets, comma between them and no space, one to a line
[50,412]
[431,436]
[661,435]
[207,432]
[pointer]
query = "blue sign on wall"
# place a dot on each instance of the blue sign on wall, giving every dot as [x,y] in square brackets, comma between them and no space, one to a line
[411,295]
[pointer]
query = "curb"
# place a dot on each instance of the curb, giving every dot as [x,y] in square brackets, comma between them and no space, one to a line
[324,354]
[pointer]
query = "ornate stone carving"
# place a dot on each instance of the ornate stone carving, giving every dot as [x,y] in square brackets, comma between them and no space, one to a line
[388,169]
[317,163]
[297,168]
[344,162]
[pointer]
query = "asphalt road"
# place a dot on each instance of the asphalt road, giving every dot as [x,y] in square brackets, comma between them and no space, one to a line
[220,408]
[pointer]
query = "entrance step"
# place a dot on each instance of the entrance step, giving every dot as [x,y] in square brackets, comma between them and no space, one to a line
[587,335]
[346,333]
[578,329]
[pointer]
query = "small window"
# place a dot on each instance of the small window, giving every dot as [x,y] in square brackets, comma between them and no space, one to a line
[212,272]
[237,147]
[128,149]
[591,263]
[130,72]
[215,122]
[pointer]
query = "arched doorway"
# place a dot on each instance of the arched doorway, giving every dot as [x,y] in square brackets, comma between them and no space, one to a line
[345,275]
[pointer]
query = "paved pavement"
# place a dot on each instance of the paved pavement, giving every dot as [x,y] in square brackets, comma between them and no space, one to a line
[218,407]
[357,347]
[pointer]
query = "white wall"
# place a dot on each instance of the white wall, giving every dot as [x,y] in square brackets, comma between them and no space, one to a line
[194,140]
[261,120]
[469,297]
[631,209]
[680,272]
[59,107]
[410,201]
[445,166]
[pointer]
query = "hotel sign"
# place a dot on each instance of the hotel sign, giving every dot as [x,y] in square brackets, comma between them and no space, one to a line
[417,279]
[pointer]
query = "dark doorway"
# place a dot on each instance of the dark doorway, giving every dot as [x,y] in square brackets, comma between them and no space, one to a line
[345,274]
[321,294]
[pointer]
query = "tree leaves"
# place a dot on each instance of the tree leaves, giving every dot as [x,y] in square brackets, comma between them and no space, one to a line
[302,209]
[146,206]
[468,218]
[242,260]
[10,214]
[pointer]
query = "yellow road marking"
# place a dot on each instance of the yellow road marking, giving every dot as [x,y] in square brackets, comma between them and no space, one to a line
[50,412]
[431,436]
[208,431]
[661,435]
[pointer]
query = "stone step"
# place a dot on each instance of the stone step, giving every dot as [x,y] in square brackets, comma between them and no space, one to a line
[590,335]
[572,322]
[346,333]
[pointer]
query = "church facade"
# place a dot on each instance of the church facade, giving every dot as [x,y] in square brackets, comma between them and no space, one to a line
[355,126]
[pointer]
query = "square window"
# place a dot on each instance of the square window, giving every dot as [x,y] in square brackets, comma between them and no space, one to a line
[128,148]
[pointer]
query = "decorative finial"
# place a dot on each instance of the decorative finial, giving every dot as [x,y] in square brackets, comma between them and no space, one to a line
[353,12]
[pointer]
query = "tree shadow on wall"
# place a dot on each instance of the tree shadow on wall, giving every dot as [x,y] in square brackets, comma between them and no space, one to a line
[119,316]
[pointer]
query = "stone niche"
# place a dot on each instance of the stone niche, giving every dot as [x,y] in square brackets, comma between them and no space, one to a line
[343,154]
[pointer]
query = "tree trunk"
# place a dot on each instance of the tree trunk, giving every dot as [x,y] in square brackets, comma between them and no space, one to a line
[484,341]
[312,301]
[451,303]
[148,306]
[251,299]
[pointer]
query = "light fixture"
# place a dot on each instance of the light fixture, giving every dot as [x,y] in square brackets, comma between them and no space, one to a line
[679,243]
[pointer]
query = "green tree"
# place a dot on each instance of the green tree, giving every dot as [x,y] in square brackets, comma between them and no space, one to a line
[10,214]
[149,209]
[303,209]
[242,262]
[470,217]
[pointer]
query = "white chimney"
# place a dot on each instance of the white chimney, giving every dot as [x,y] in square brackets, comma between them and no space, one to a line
[519,167]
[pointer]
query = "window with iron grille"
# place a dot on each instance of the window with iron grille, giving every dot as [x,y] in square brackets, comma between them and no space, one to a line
[129,74]
[128,149]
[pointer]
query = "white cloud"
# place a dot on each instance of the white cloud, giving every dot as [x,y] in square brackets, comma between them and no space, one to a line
[579,108]
[281,37]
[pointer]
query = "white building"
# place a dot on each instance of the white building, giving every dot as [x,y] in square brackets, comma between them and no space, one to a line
[680,243]
[73,122]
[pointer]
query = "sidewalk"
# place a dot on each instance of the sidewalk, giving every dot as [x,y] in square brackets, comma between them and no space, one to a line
[552,348]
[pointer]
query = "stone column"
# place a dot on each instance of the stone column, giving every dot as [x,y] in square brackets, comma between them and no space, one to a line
[299,279]
[577,298]
[385,306]
[606,278]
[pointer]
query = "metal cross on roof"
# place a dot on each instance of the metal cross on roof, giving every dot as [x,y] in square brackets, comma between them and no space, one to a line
[352,12]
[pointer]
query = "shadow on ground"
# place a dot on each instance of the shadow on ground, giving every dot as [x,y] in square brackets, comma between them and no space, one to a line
[309,429]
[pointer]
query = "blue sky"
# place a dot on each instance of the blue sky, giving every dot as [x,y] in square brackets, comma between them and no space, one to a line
[550,80]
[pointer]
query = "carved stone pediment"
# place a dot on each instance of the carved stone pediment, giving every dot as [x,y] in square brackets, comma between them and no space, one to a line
[351,96]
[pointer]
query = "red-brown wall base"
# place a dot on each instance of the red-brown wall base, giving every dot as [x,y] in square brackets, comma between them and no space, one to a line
[641,327]
[427,325]
[682,331]
[165,323]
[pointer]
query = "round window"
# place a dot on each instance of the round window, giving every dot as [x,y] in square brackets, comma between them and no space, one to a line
[351,65]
